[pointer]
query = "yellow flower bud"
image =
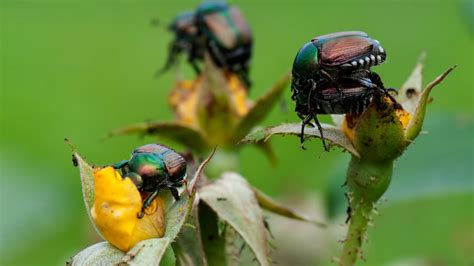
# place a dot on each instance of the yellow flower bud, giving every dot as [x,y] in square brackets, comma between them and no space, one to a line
[117,202]
[350,122]
[184,99]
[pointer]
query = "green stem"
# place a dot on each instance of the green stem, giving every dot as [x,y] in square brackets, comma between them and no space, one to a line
[367,181]
[355,235]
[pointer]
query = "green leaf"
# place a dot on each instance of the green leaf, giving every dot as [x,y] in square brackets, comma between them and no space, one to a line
[146,252]
[178,212]
[98,254]
[234,201]
[86,173]
[213,242]
[267,203]
[169,258]
[261,108]
[416,123]
[188,247]
[182,134]
[331,133]
[410,92]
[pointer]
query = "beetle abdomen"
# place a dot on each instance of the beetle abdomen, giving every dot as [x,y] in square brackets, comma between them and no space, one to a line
[353,98]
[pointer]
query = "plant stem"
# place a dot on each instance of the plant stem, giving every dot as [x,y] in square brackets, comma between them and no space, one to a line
[367,181]
[355,235]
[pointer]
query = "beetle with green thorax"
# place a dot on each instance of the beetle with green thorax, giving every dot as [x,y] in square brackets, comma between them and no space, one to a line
[153,167]
[215,28]
[332,75]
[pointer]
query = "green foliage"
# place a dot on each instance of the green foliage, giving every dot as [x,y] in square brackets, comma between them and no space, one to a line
[82,68]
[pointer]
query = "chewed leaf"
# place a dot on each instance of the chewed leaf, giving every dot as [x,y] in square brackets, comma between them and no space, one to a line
[416,123]
[178,211]
[87,180]
[271,205]
[234,202]
[147,252]
[338,120]
[98,254]
[261,108]
[331,133]
[86,172]
[174,131]
[410,92]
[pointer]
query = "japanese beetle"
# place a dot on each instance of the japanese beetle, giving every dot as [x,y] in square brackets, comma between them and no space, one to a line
[227,36]
[332,74]
[153,167]
[185,41]
[217,28]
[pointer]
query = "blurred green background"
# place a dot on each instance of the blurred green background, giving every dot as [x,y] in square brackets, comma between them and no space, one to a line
[78,69]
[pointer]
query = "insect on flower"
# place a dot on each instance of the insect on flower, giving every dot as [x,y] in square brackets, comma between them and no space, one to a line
[215,28]
[153,167]
[332,75]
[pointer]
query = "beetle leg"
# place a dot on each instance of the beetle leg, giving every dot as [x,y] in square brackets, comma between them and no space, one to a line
[243,76]
[193,55]
[309,116]
[195,66]
[174,50]
[217,54]
[378,81]
[147,202]
[320,131]
[333,82]
[174,192]
[306,121]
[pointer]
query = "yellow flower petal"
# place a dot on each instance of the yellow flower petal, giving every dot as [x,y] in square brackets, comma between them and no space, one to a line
[348,126]
[116,205]
[404,117]
[239,94]
[183,99]
[350,122]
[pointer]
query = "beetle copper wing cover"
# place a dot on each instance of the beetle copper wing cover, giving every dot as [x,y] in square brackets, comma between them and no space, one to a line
[339,48]
[229,28]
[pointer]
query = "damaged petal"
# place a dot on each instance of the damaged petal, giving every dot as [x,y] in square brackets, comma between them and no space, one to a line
[410,92]
[116,205]
[415,125]
[378,134]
